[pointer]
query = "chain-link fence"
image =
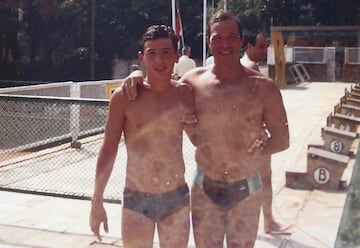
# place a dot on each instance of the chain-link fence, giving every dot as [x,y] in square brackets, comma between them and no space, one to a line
[49,145]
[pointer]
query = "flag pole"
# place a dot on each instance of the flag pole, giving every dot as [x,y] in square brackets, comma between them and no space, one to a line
[204,33]
[182,31]
[173,9]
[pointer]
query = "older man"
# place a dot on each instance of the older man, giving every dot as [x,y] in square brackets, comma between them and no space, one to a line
[256,49]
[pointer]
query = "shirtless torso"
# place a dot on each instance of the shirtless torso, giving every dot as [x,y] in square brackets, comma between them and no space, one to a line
[156,194]
[153,137]
[231,117]
[231,114]
[155,188]
[232,104]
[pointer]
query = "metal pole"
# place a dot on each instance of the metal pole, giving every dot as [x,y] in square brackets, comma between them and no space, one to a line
[92,41]
[173,14]
[204,33]
[225,5]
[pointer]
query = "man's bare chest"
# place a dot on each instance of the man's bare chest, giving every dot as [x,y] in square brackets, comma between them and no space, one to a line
[228,100]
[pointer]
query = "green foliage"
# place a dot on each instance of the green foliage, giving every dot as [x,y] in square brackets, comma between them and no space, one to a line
[54,36]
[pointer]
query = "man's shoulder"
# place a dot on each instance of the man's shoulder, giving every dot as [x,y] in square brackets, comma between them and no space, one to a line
[191,77]
[258,77]
[266,85]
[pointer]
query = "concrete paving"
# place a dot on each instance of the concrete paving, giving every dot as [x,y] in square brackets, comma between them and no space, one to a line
[28,220]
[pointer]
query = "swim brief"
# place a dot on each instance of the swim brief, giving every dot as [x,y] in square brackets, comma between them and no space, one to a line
[156,206]
[227,194]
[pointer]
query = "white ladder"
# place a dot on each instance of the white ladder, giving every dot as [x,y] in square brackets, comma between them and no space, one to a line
[299,73]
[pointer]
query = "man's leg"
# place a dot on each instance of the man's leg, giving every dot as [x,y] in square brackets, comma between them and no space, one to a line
[243,221]
[208,220]
[137,230]
[270,224]
[174,230]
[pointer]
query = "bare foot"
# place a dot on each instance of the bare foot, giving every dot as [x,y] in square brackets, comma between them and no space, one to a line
[278,228]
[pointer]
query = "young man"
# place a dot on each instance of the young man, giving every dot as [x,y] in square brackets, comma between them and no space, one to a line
[256,49]
[232,104]
[155,192]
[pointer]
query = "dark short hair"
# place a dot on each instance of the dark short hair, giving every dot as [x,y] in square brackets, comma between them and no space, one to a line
[186,49]
[250,38]
[155,32]
[220,16]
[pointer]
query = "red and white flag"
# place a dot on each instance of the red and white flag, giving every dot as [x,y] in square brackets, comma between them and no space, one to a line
[178,25]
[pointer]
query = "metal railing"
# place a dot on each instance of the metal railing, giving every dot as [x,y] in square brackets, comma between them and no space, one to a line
[49,145]
[352,55]
[306,55]
[36,146]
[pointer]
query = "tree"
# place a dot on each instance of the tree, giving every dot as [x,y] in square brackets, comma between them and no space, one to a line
[336,12]
[54,36]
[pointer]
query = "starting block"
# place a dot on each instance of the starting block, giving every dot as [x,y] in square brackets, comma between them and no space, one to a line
[327,162]
[346,109]
[344,122]
[325,169]
[340,141]
[351,101]
[352,93]
[356,88]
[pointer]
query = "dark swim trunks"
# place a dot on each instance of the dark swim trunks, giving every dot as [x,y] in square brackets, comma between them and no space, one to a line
[156,206]
[225,194]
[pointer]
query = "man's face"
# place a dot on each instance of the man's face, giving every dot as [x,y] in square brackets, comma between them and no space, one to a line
[258,52]
[225,41]
[159,57]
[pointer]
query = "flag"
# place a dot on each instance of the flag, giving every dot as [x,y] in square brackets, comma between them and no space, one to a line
[178,25]
[179,30]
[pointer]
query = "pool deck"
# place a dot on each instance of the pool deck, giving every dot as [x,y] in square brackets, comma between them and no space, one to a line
[28,220]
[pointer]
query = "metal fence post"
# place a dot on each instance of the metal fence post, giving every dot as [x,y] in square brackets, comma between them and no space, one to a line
[75,116]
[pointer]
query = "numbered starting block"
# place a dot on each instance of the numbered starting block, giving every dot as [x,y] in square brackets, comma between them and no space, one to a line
[340,141]
[356,88]
[346,109]
[349,100]
[326,163]
[324,171]
[344,122]
[354,94]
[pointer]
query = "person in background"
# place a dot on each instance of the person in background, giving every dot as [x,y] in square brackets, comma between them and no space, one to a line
[156,194]
[232,103]
[185,63]
[256,45]
[256,49]
[209,61]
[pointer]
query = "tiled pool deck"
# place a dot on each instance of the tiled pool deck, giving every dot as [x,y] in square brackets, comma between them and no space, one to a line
[28,220]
